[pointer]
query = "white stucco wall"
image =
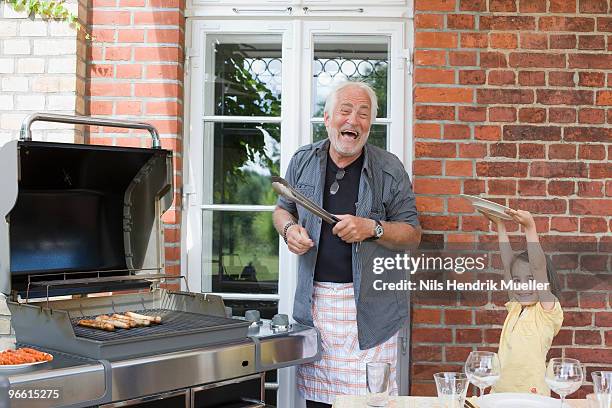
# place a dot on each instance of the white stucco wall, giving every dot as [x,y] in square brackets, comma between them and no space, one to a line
[41,69]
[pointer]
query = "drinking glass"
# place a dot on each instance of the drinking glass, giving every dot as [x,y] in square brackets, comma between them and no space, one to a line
[593,402]
[483,369]
[452,389]
[602,387]
[377,381]
[564,376]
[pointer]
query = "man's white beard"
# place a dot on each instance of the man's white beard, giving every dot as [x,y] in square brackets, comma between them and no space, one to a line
[334,135]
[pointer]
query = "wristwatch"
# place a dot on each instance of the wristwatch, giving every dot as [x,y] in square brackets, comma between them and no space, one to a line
[378,230]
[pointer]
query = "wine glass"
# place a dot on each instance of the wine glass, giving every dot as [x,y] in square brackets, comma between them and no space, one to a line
[602,385]
[564,376]
[483,369]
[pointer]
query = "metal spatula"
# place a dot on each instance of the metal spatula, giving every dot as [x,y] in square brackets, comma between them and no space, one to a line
[282,188]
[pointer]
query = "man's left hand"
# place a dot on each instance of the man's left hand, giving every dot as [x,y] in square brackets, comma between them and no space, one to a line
[354,229]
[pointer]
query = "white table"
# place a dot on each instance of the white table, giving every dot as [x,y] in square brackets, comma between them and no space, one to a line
[352,401]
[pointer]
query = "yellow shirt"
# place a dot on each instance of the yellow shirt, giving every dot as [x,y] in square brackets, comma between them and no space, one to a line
[523,346]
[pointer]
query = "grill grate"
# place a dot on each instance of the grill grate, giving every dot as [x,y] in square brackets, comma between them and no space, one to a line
[173,323]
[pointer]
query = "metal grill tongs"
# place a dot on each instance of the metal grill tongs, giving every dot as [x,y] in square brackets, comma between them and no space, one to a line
[282,188]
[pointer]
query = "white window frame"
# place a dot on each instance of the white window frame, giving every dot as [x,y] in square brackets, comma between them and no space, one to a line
[304,9]
[297,31]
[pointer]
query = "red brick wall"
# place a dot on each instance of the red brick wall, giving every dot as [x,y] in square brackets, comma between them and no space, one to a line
[136,72]
[512,100]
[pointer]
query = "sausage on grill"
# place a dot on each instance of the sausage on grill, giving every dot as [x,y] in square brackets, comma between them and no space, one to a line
[94,324]
[152,319]
[115,322]
[131,321]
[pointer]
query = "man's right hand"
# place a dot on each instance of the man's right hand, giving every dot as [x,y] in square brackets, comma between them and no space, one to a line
[298,240]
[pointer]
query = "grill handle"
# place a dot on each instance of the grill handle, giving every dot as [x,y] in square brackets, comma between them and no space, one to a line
[26,133]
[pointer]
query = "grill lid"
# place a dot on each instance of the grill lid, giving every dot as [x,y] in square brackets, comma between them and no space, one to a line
[74,210]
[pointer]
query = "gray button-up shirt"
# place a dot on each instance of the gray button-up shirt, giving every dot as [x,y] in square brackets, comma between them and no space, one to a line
[385,193]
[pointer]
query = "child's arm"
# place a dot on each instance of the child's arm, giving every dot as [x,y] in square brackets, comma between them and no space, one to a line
[537,258]
[505,249]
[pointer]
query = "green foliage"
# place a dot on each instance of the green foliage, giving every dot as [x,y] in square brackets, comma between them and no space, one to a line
[53,10]
[255,97]
[239,92]
[378,81]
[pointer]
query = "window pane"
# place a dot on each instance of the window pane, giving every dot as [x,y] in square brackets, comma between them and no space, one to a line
[240,252]
[355,58]
[244,156]
[378,134]
[243,75]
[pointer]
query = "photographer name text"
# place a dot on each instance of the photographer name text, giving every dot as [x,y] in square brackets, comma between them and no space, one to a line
[454,285]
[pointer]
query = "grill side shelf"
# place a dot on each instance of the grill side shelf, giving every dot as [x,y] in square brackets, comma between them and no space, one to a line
[287,349]
[80,382]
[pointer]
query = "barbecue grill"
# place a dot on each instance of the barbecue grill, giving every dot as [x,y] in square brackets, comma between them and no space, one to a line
[86,219]
[78,221]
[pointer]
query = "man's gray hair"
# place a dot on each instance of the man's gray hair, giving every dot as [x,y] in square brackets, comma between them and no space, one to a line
[332,98]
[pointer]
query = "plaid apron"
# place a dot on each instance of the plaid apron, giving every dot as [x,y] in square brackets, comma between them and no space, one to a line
[342,367]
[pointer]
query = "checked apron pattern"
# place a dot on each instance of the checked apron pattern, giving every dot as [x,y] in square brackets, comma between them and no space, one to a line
[342,367]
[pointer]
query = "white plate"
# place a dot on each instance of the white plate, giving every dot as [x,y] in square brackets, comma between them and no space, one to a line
[511,400]
[24,365]
[487,206]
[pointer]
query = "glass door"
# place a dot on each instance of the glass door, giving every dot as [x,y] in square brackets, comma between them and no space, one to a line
[236,125]
[241,141]
[375,53]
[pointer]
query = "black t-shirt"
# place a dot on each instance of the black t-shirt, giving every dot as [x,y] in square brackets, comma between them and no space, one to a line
[334,256]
